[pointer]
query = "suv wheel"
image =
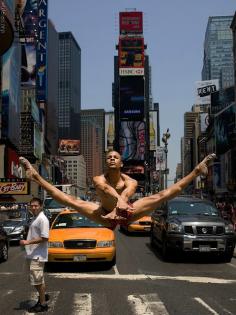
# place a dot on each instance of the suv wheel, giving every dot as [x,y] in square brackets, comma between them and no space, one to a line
[227,256]
[4,253]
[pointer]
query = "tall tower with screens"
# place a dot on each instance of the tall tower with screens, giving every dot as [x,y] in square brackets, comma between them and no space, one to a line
[131,97]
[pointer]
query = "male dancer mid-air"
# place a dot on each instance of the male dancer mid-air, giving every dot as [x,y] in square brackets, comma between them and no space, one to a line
[114,189]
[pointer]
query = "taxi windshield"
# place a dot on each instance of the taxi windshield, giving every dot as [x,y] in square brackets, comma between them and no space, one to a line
[73,220]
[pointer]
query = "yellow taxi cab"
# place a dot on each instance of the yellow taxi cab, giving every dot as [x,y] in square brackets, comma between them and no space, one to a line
[142,225]
[75,238]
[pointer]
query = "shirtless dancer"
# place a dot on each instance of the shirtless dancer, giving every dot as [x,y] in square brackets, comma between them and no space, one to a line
[114,190]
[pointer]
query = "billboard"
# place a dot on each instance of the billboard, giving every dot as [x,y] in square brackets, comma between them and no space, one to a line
[153,132]
[41,49]
[109,131]
[225,124]
[131,23]
[68,147]
[160,159]
[13,169]
[10,109]
[13,187]
[131,99]
[133,169]
[204,121]
[132,140]
[204,89]
[38,142]
[131,53]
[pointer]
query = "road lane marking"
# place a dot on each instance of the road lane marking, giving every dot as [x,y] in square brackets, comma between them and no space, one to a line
[199,300]
[139,277]
[231,265]
[116,270]
[82,304]
[147,304]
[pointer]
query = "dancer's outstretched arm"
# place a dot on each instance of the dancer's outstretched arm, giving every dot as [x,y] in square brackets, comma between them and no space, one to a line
[148,204]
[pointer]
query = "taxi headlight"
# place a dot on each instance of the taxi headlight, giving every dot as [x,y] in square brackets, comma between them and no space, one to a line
[55,244]
[174,227]
[229,228]
[105,243]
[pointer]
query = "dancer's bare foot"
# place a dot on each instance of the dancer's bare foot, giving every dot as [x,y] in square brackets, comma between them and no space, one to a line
[30,171]
[202,168]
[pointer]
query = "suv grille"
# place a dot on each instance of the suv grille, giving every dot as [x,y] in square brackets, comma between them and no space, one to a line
[204,230]
[80,244]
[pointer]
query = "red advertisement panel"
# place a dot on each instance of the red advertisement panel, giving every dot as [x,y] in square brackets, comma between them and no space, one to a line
[131,53]
[131,22]
[13,168]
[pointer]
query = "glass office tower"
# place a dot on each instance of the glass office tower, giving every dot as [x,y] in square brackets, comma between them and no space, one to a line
[218,51]
[69,96]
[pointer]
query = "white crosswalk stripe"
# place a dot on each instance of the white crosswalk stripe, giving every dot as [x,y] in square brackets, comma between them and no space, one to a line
[148,304]
[82,304]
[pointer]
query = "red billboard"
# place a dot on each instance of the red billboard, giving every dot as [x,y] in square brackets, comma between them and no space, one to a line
[131,23]
[13,168]
[131,53]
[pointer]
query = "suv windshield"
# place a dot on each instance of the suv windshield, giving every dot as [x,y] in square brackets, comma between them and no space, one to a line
[73,220]
[191,208]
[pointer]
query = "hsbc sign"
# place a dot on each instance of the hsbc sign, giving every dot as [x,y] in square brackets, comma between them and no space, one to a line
[131,71]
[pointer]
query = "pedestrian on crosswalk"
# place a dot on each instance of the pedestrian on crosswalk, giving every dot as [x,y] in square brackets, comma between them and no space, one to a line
[36,247]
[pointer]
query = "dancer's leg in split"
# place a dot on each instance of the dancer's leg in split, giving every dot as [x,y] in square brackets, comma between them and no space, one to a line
[88,209]
[148,204]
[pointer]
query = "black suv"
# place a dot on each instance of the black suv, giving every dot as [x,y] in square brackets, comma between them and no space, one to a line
[4,245]
[188,224]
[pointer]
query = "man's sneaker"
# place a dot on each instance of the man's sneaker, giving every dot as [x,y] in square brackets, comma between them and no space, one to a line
[47,298]
[37,308]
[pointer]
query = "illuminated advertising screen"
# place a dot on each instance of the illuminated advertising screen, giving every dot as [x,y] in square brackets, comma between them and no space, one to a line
[132,140]
[28,64]
[13,167]
[109,131]
[67,146]
[131,53]
[131,98]
[224,128]
[153,130]
[131,23]
[10,110]
[28,15]
[41,53]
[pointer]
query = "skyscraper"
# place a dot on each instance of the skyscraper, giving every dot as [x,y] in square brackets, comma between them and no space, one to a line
[92,141]
[69,94]
[51,109]
[218,51]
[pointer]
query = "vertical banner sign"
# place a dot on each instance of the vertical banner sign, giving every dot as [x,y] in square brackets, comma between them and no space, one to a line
[41,79]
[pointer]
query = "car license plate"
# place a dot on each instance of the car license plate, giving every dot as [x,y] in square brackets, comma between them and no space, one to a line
[80,258]
[204,248]
[147,228]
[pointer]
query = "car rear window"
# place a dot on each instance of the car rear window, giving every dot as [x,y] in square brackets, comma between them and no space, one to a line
[73,220]
[191,208]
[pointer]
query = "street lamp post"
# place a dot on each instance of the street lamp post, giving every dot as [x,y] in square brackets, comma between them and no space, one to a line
[165,138]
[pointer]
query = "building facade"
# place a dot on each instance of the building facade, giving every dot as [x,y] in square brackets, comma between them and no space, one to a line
[92,141]
[69,88]
[218,51]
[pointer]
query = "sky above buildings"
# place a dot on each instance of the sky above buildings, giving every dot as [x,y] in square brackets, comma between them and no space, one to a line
[174,32]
